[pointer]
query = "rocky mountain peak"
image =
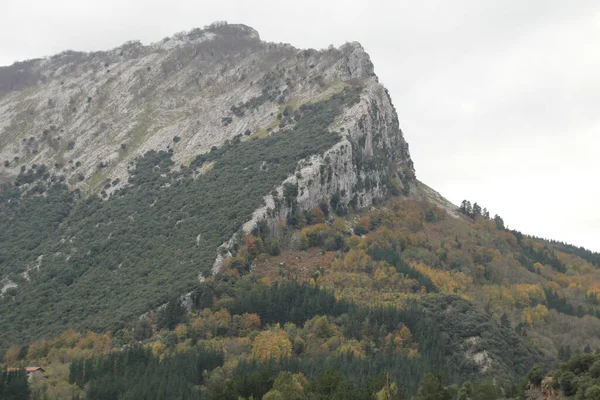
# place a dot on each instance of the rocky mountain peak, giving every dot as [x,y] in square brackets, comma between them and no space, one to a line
[88,116]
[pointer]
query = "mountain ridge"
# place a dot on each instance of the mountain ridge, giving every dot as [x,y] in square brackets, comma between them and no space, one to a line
[323,130]
[94,114]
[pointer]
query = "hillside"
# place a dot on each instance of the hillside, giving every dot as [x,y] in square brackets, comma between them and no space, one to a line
[538,288]
[362,306]
[133,229]
[226,218]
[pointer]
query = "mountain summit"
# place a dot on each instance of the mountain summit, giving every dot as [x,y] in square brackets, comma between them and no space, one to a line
[88,116]
[191,142]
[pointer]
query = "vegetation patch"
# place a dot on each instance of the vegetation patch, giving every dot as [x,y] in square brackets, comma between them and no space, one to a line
[106,262]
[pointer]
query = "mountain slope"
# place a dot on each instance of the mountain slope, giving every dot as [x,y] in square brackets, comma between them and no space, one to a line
[539,288]
[216,202]
[322,128]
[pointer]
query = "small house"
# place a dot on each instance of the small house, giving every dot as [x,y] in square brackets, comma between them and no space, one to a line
[30,371]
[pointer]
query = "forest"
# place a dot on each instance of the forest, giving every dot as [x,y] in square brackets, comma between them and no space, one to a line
[391,312]
[90,263]
[242,346]
[402,301]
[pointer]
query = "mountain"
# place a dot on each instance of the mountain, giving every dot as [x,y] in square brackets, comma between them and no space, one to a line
[249,213]
[87,116]
[187,141]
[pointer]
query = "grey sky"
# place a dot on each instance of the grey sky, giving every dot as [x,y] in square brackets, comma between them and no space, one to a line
[500,101]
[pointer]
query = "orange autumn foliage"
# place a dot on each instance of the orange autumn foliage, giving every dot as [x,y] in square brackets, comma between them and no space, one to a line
[11,357]
[317,215]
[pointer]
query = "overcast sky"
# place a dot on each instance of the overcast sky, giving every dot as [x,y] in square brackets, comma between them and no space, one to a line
[499,100]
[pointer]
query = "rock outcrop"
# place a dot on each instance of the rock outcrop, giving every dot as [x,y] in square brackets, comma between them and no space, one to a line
[88,116]
[371,157]
[543,392]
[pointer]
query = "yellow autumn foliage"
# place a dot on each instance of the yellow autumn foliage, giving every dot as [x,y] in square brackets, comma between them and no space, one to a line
[181,332]
[446,281]
[159,349]
[274,344]
[534,316]
[403,342]
[526,294]
[353,347]
[593,291]
[357,260]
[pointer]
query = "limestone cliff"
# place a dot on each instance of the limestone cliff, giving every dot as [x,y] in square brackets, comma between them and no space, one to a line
[370,159]
[87,116]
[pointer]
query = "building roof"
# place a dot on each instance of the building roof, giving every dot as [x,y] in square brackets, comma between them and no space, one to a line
[34,369]
[27,369]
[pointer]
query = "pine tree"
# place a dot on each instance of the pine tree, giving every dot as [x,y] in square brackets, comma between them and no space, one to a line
[499,222]
[504,321]
[172,314]
[476,212]
[486,214]
[465,208]
[14,385]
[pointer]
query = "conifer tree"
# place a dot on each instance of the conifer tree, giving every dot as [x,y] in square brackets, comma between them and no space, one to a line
[499,222]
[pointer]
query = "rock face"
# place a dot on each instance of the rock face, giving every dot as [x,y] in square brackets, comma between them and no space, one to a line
[371,157]
[543,392]
[88,116]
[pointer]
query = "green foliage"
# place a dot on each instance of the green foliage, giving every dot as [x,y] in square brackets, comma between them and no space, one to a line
[323,236]
[137,374]
[172,314]
[392,256]
[297,303]
[568,383]
[287,302]
[106,262]
[432,388]
[341,378]
[579,376]
[462,322]
[289,386]
[337,206]
[558,303]
[441,324]
[544,256]
[28,220]
[536,375]
[590,256]
[14,385]
[274,248]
